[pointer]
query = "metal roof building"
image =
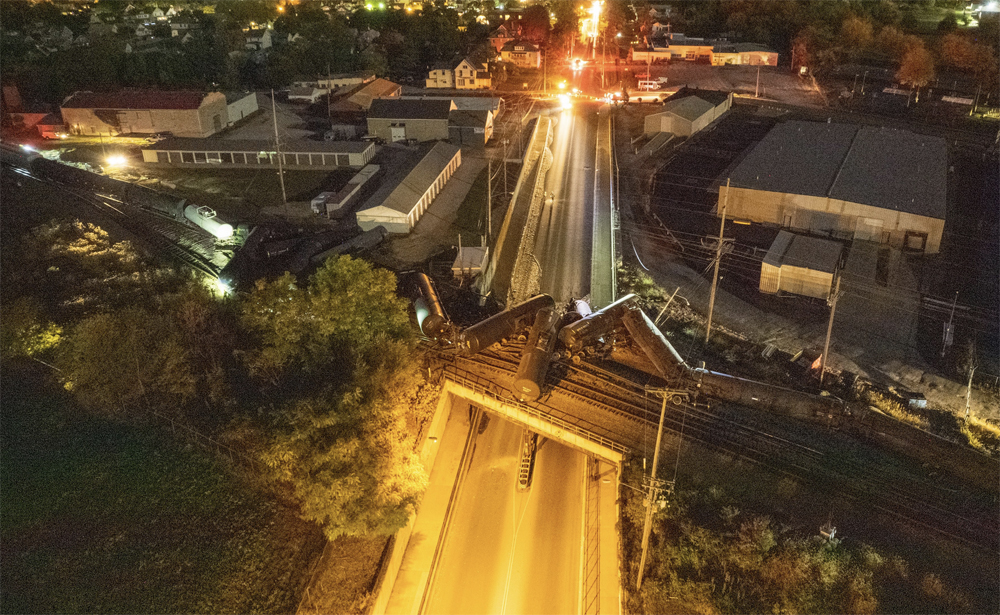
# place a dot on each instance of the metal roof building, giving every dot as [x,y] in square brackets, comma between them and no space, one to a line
[405,205]
[400,120]
[240,153]
[844,181]
[801,265]
[687,112]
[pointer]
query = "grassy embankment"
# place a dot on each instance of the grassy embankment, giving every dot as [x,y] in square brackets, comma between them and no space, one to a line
[102,517]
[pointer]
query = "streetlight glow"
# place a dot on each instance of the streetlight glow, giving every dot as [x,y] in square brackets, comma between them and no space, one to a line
[116,160]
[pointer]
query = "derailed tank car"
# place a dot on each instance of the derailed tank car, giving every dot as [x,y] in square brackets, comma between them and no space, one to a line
[430,313]
[595,325]
[536,357]
[499,326]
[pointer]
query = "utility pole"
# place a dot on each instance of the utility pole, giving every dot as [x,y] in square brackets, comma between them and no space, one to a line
[948,331]
[277,148]
[756,93]
[489,198]
[652,486]
[863,78]
[718,257]
[829,330]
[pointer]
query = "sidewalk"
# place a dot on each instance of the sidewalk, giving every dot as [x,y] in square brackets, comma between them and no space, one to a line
[416,544]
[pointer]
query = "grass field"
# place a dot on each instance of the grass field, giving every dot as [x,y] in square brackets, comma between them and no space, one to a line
[98,517]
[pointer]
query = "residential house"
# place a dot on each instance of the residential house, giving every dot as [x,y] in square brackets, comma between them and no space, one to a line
[505,33]
[402,120]
[466,76]
[521,53]
[258,39]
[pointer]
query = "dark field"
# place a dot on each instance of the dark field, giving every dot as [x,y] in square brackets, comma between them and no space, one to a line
[99,517]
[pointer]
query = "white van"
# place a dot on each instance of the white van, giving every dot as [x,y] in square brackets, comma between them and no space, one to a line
[649,86]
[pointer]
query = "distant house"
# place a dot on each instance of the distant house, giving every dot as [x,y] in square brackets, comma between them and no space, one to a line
[185,114]
[258,39]
[404,207]
[466,76]
[521,53]
[441,76]
[687,112]
[401,120]
[505,33]
[181,25]
[359,98]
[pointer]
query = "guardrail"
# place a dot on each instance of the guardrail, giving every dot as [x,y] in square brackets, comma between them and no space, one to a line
[452,373]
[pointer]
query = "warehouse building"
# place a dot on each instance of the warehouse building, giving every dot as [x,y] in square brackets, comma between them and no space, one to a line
[184,114]
[237,153]
[687,112]
[800,265]
[470,128]
[401,120]
[846,182]
[405,205]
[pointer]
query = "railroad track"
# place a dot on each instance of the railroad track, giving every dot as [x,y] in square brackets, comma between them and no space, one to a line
[900,495]
[161,236]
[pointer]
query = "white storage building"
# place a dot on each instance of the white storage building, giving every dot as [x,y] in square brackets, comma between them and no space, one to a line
[401,210]
[800,265]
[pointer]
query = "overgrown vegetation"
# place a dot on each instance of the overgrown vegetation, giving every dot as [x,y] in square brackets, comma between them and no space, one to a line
[708,556]
[103,517]
[313,383]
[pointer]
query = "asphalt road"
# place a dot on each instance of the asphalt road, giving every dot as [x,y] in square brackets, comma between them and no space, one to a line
[508,551]
[565,228]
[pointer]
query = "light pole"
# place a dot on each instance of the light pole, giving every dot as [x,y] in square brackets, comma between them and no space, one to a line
[863,83]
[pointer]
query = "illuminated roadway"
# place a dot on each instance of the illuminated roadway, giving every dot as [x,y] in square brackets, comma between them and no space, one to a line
[508,551]
[565,226]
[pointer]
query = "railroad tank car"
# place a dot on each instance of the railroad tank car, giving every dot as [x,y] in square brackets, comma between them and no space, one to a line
[537,356]
[768,397]
[656,347]
[595,325]
[364,241]
[430,313]
[484,334]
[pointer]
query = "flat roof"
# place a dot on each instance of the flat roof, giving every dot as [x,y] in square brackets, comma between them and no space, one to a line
[690,108]
[796,157]
[895,169]
[149,99]
[803,251]
[394,108]
[881,167]
[188,144]
[465,103]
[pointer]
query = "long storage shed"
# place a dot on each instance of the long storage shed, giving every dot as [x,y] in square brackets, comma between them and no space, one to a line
[238,153]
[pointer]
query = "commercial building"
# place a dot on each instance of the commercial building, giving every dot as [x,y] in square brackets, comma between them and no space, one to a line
[800,265]
[358,99]
[846,182]
[235,153]
[470,128]
[185,114]
[240,105]
[687,112]
[677,47]
[401,120]
[405,205]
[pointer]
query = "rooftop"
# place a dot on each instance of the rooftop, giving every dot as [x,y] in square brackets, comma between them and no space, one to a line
[885,168]
[406,195]
[182,144]
[183,100]
[394,108]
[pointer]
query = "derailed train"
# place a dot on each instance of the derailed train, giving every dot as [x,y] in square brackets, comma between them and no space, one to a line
[170,206]
[581,328]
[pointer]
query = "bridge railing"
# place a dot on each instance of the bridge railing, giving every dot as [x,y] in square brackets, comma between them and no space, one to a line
[490,389]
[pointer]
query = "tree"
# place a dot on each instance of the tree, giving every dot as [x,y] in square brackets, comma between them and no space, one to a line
[856,32]
[115,362]
[917,68]
[338,354]
[535,23]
